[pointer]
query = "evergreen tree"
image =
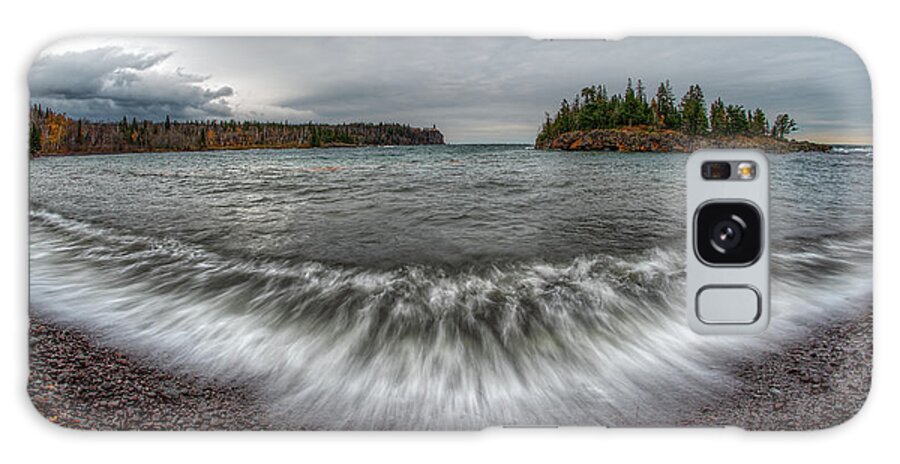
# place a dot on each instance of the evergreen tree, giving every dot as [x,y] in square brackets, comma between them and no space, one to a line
[693,111]
[666,114]
[631,107]
[593,109]
[783,126]
[314,140]
[717,117]
[736,120]
[758,123]
[644,115]
[34,139]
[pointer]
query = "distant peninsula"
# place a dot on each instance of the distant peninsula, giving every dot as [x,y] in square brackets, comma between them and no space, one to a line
[54,133]
[630,122]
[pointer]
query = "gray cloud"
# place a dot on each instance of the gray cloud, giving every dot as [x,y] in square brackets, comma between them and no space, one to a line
[109,82]
[473,89]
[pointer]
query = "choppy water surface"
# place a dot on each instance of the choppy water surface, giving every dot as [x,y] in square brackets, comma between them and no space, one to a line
[429,287]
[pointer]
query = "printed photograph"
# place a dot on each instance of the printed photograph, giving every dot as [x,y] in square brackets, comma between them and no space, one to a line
[435,233]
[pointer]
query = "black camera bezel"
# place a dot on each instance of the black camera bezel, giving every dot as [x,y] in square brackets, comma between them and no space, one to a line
[755,223]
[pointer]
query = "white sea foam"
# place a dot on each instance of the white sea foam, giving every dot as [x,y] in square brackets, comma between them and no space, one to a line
[598,340]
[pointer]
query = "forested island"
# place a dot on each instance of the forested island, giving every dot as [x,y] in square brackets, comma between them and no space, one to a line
[53,133]
[633,122]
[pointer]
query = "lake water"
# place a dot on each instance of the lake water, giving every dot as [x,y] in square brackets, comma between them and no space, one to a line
[430,287]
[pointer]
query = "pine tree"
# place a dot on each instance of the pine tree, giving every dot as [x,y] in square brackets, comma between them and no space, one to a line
[666,114]
[783,126]
[644,115]
[34,139]
[314,140]
[693,112]
[758,123]
[736,120]
[631,108]
[717,117]
[593,109]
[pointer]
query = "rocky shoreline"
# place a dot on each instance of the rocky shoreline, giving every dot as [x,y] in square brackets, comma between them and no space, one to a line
[210,149]
[815,384]
[79,384]
[669,141]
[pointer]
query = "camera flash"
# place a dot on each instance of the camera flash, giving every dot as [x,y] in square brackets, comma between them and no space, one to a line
[746,170]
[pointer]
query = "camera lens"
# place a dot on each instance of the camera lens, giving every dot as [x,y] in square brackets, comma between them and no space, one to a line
[728,233]
[716,170]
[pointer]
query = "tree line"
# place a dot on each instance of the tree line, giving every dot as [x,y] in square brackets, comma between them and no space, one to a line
[57,133]
[594,108]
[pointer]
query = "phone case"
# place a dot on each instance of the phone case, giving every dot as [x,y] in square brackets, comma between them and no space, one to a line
[435,233]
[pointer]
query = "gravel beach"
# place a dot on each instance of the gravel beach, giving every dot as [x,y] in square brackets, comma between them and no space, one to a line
[79,384]
[76,383]
[811,385]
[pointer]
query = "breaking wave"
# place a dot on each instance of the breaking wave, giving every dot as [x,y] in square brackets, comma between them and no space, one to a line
[594,340]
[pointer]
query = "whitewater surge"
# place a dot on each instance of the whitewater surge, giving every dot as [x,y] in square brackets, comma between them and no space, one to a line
[596,339]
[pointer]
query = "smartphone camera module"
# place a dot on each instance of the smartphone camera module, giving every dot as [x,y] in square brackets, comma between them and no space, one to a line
[728,233]
[727,261]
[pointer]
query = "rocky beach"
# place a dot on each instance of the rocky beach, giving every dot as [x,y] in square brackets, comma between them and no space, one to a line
[636,139]
[80,384]
[815,384]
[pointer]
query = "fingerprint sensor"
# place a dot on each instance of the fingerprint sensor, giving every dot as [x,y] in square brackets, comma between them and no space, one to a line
[728,304]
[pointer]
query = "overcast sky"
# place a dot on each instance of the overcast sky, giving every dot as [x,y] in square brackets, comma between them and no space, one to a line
[474,89]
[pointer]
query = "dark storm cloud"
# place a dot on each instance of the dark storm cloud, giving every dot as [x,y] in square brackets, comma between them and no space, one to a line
[481,89]
[109,82]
